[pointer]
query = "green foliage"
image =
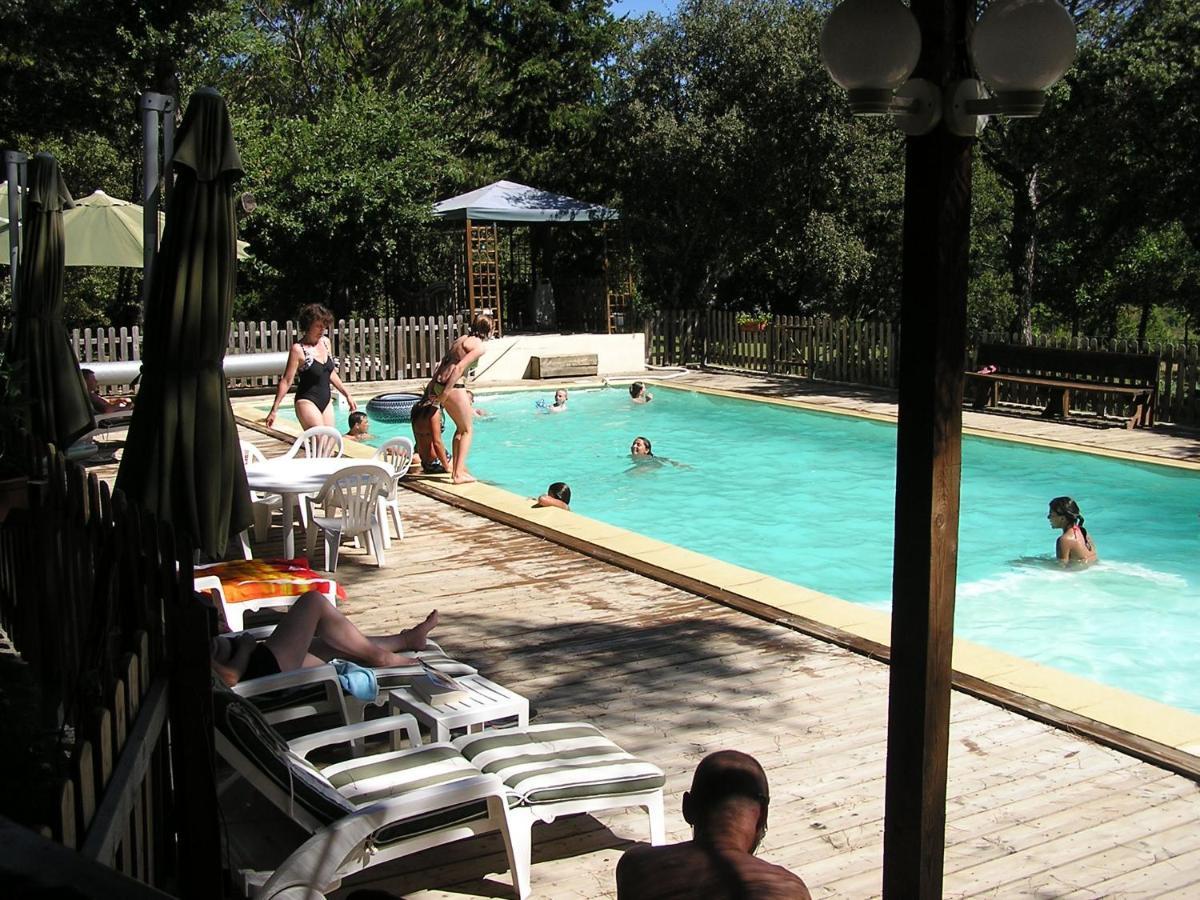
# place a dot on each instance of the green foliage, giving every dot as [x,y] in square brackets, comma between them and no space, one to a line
[741,177]
[742,180]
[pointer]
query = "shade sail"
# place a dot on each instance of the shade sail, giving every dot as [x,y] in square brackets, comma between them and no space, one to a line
[182,460]
[103,231]
[507,201]
[38,347]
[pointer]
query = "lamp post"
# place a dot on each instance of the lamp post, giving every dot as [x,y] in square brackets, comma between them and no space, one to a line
[1018,49]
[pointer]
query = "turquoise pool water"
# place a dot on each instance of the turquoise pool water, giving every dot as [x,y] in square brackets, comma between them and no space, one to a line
[808,497]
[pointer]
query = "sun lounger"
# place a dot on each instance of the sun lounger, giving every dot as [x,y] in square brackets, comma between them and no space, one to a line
[370,809]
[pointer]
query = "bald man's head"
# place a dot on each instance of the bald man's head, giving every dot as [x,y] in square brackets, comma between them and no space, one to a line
[729,773]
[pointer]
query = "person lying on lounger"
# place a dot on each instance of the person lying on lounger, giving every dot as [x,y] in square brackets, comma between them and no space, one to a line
[310,634]
[100,403]
[727,809]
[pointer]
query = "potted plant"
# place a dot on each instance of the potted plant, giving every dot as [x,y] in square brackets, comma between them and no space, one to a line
[756,319]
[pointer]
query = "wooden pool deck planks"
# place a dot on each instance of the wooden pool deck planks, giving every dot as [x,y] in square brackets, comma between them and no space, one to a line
[1031,811]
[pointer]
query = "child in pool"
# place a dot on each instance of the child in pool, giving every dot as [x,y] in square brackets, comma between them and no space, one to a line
[558,494]
[639,394]
[559,404]
[1074,544]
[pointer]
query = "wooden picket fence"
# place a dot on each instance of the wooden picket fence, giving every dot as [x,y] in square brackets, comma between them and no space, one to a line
[867,352]
[95,597]
[365,349]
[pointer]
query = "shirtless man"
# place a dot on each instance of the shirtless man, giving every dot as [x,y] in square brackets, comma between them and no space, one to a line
[727,809]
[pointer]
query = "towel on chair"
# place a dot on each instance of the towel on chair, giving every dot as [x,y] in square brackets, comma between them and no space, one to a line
[357,681]
[255,579]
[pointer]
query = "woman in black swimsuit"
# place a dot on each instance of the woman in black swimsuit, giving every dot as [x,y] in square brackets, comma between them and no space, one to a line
[312,633]
[312,357]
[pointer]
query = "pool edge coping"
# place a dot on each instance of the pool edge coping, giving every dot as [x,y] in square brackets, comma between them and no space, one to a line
[1157,733]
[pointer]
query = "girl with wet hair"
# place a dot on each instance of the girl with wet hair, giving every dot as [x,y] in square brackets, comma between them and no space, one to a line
[1074,544]
[558,494]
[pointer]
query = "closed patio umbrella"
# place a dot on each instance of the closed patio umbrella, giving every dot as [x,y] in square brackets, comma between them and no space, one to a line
[38,347]
[182,460]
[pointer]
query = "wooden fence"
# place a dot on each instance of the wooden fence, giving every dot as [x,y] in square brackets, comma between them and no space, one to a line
[1178,379]
[867,352]
[861,352]
[113,686]
[365,349]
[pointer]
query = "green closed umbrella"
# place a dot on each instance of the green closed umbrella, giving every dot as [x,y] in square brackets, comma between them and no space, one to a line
[38,347]
[182,460]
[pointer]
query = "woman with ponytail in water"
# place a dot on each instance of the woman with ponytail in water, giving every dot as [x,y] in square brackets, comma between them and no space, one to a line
[1074,544]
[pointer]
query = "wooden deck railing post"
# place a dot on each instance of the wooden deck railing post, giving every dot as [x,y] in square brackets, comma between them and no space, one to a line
[191,720]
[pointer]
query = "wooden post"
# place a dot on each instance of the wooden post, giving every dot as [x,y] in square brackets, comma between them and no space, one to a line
[937,202]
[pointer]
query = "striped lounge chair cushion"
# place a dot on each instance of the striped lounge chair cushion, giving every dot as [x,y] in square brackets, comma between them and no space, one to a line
[551,763]
[333,791]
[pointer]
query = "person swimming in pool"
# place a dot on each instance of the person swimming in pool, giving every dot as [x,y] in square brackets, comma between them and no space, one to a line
[1074,544]
[312,357]
[447,390]
[639,394]
[558,494]
[644,458]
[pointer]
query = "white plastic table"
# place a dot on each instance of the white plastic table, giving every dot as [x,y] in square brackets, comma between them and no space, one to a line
[485,702]
[289,478]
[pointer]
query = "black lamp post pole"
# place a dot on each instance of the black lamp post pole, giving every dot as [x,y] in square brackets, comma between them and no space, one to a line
[937,201]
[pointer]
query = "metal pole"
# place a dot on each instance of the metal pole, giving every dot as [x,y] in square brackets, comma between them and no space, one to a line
[14,168]
[168,127]
[152,106]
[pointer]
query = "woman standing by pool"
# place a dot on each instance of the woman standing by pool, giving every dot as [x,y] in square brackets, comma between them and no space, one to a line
[312,357]
[1074,544]
[448,391]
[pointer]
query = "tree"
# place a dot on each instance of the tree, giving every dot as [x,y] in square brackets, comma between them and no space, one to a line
[742,178]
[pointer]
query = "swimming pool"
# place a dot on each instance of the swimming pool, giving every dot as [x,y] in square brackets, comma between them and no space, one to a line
[808,497]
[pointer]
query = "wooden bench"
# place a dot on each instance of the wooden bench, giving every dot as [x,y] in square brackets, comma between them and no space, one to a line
[1063,372]
[564,366]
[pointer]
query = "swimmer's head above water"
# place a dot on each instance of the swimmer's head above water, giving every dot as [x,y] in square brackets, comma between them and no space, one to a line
[640,447]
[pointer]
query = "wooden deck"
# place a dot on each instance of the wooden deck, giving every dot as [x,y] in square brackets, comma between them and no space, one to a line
[1031,811]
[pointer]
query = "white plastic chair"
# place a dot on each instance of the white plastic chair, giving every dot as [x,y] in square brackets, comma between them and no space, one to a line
[320,441]
[347,506]
[396,454]
[263,505]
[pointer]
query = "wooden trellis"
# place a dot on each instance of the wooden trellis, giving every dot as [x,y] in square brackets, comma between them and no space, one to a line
[483,272]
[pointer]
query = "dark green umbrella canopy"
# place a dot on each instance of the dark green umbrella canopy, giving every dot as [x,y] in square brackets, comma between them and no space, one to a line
[38,347]
[182,460]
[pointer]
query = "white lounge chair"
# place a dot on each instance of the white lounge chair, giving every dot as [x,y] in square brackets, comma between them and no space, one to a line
[367,810]
[347,506]
[362,812]
[319,441]
[397,453]
[206,579]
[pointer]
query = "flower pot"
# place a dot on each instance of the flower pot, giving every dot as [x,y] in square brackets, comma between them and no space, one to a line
[752,326]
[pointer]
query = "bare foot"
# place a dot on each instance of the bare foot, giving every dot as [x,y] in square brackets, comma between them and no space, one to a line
[465,478]
[417,637]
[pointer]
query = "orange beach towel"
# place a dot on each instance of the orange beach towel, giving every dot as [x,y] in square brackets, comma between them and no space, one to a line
[256,579]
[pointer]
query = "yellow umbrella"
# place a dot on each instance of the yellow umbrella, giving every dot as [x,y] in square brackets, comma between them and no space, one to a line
[103,231]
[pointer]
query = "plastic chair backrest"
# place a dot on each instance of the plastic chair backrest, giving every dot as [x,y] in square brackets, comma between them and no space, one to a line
[320,441]
[353,494]
[251,454]
[397,454]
